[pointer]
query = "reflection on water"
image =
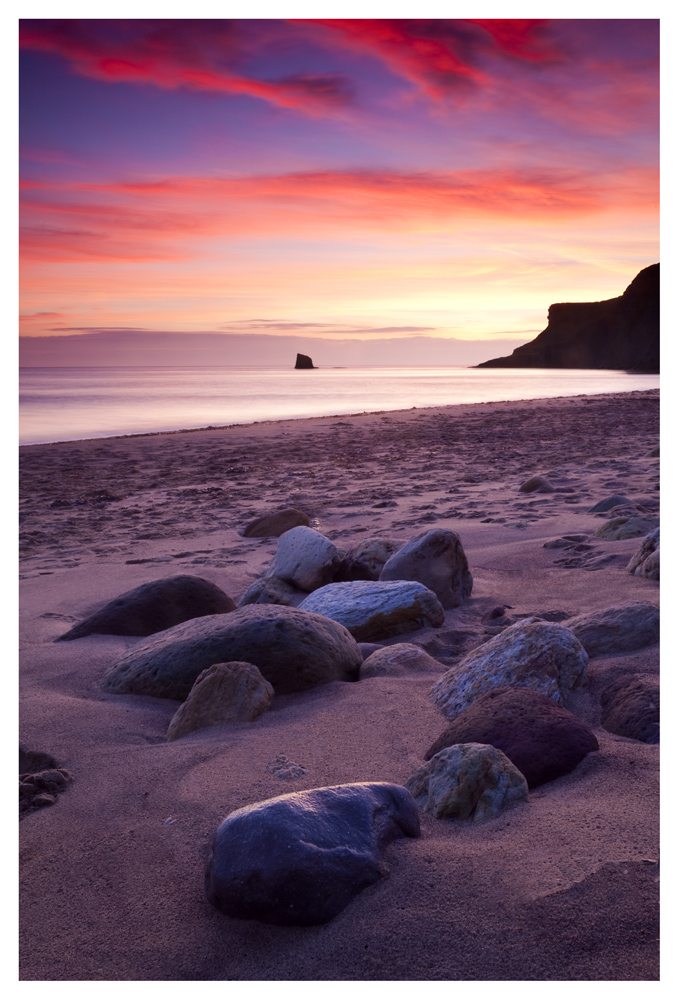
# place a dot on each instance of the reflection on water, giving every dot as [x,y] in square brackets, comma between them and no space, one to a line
[65,404]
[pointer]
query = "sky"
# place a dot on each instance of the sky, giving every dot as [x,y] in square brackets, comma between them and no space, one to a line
[359,180]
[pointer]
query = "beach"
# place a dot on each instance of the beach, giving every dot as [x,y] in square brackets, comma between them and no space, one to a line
[561,887]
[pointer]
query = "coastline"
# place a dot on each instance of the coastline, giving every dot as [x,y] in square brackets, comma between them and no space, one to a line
[563,887]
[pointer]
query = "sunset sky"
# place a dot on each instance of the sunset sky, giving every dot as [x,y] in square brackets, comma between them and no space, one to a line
[332,179]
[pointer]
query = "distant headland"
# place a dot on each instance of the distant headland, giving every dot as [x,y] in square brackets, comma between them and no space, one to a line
[621,333]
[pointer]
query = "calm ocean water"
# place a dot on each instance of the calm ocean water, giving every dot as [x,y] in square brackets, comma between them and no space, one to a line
[68,404]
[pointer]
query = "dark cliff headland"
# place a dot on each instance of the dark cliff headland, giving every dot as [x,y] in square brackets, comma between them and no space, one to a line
[619,333]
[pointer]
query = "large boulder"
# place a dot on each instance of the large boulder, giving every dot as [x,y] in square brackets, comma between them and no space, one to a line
[532,653]
[366,560]
[293,649]
[467,781]
[542,739]
[225,692]
[276,523]
[630,706]
[271,590]
[618,629]
[300,858]
[305,558]
[646,560]
[372,610]
[400,660]
[154,607]
[436,559]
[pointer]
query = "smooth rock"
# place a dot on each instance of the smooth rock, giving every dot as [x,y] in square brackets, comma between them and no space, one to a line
[276,523]
[399,660]
[608,503]
[467,781]
[630,706]
[372,610]
[436,559]
[367,648]
[271,590]
[300,858]
[542,739]
[225,692]
[305,558]
[294,649]
[366,560]
[618,528]
[154,607]
[646,560]
[532,653]
[618,629]
[536,484]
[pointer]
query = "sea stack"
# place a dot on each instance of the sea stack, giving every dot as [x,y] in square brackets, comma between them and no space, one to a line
[621,333]
[304,361]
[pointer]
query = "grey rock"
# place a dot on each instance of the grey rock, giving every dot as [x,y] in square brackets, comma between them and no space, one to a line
[299,859]
[467,781]
[294,650]
[618,629]
[608,503]
[400,660]
[276,524]
[544,656]
[271,590]
[436,559]
[225,692]
[154,607]
[369,647]
[305,558]
[372,610]
[618,528]
[646,560]
[366,560]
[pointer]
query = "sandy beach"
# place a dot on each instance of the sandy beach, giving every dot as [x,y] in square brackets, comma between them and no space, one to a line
[562,887]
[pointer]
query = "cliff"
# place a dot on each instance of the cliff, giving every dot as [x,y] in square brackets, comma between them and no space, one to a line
[618,333]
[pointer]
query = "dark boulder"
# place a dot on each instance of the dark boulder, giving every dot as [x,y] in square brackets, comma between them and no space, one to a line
[294,650]
[300,858]
[304,361]
[541,738]
[275,524]
[630,706]
[622,333]
[154,607]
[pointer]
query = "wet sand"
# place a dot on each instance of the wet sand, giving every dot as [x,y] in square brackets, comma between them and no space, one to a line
[563,887]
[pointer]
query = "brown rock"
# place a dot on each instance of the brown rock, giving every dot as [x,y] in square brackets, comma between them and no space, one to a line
[536,485]
[225,692]
[366,560]
[399,660]
[630,707]
[276,524]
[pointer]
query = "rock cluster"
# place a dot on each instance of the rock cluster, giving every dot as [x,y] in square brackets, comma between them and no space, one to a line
[646,560]
[300,858]
[532,653]
[467,781]
[154,607]
[40,780]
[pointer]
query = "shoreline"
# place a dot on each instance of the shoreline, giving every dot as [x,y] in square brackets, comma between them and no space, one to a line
[334,416]
[562,887]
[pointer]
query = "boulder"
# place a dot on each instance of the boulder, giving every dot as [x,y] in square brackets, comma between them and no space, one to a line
[618,629]
[225,692]
[536,485]
[369,647]
[436,559]
[305,558]
[154,607]
[300,858]
[372,610]
[646,560]
[630,706]
[542,739]
[399,660]
[467,781]
[271,590]
[532,653]
[608,503]
[366,560]
[295,650]
[619,528]
[276,524]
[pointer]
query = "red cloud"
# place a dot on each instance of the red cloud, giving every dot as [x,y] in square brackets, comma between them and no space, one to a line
[176,217]
[199,55]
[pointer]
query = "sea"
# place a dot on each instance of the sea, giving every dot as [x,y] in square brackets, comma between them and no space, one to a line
[71,404]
